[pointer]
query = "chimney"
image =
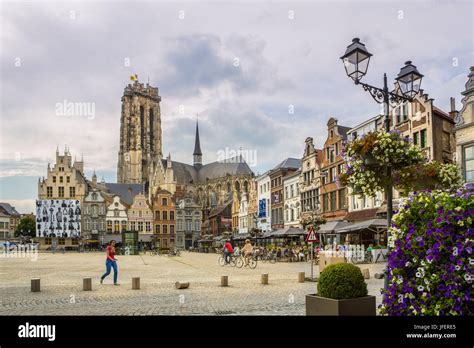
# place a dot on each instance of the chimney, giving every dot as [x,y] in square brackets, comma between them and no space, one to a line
[453,111]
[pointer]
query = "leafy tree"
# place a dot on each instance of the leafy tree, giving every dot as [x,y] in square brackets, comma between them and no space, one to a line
[27,225]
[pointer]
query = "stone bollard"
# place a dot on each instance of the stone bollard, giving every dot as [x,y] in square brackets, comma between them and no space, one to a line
[224,281]
[264,279]
[87,284]
[366,273]
[136,283]
[35,285]
[301,277]
[181,285]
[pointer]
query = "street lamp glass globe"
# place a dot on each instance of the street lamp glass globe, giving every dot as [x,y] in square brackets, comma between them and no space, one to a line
[356,60]
[409,80]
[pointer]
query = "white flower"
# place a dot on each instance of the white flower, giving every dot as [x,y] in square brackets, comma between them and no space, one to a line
[421,288]
[457,267]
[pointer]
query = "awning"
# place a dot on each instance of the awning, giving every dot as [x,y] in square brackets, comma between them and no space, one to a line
[361,215]
[332,226]
[373,224]
[242,236]
[286,232]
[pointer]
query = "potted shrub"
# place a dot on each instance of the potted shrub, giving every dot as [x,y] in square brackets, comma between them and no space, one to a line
[341,291]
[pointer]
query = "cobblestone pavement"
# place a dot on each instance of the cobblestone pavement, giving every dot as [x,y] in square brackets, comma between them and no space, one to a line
[61,286]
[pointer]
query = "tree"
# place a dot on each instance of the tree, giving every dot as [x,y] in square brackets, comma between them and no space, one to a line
[27,225]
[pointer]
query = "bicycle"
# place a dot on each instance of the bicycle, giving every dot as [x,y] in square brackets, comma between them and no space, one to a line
[174,252]
[252,262]
[232,260]
[270,257]
[155,252]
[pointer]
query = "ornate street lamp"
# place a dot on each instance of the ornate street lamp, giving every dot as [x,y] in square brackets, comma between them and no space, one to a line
[409,80]
[356,61]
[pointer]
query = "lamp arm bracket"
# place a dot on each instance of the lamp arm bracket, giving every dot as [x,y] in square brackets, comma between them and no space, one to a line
[378,95]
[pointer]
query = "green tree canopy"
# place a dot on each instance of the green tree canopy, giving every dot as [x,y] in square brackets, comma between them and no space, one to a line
[27,225]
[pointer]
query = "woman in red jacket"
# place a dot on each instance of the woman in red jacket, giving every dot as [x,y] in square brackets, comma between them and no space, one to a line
[111,262]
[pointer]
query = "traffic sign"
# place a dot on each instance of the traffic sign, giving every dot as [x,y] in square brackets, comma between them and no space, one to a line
[312,237]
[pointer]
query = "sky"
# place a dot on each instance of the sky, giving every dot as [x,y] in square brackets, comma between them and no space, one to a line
[261,76]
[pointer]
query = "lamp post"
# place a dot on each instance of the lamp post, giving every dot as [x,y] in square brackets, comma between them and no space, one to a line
[356,61]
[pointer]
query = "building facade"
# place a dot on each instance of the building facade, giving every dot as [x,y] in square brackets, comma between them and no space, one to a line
[116,219]
[188,223]
[5,233]
[264,208]
[277,174]
[243,215]
[310,180]
[164,210]
[465,131]
[13,215]
[94,215]
[292,200]
[253,206]
[140,218]
[333,198]
[65,180]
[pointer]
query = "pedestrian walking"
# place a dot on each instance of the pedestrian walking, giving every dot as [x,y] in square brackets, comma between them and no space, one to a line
[111,262]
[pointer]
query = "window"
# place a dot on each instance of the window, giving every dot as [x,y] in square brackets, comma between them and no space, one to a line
[165,215]
[332,174]
[54,179]
[47,241]
[180,225]
[164,201]
[342,198]
[49,192]
[140,226]
[340,168]
[61,241]
[404,111]
[331,155]
[171,215]
[325,202]
[355,202]
[61,180]
[165,229]
[327,153]
[61,191]
[333,200]
[171,229]
[68,179]
[468,165]
[116,227]
[423,138]
[157,215]
[124,225]
[109,226]
[116,213]
[72,192]
[188,225]
[416,138]
[337,149]
[157,229]
[197,226]
[75,242]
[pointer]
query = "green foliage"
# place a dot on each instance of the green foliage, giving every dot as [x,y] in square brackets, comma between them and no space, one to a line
[342,281]
[26,224]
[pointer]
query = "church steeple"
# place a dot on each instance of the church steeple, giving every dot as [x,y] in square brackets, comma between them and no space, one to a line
[197,154]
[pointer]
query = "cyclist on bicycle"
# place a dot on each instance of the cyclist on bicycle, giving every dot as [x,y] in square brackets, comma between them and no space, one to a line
[228,250]
[247,251]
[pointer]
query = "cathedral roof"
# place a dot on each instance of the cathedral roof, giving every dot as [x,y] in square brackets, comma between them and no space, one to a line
[126,192]
[289,163]
[187,174]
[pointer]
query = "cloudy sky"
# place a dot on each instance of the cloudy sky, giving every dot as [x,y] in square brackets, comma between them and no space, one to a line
[261,75]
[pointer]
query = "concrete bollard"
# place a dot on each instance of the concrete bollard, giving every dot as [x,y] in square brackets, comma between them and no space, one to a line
[87,284]
[35,285]
[181,285]
[365,273]
[301,277]
[264,279]
[224,281]
[136,283]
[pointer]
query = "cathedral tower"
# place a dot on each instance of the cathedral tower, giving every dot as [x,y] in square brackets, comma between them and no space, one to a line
[197,154]
[140,133]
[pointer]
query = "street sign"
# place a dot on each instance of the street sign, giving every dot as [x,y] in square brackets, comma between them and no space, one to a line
[312,237]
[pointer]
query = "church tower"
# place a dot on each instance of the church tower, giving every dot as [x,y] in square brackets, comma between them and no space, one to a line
[140,133]
[197,154]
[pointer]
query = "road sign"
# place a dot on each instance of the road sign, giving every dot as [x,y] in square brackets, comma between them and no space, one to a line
[312,237]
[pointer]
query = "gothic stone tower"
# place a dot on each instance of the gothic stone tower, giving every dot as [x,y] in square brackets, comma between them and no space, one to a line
[140,133]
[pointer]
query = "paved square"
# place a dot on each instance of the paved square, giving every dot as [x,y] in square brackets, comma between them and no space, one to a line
[61,286]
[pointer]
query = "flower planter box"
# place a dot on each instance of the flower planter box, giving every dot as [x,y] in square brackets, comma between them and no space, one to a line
[316,305]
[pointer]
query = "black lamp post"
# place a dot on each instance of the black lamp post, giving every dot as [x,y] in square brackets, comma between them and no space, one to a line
[356,61]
